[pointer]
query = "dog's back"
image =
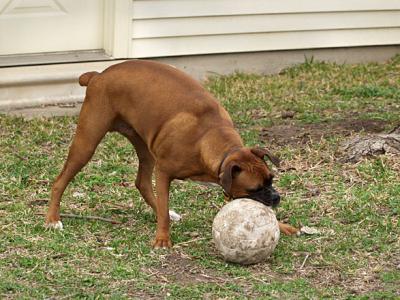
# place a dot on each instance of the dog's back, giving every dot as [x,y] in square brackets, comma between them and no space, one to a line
[161,103]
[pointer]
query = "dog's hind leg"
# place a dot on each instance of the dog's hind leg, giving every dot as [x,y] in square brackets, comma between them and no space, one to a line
[145,172]
[143,180]
[146,163]
[94,122]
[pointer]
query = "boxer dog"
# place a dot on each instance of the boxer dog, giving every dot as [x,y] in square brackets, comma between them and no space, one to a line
[179,131]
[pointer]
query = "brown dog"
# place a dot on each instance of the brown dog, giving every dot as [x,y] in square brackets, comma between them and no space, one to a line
[177,128]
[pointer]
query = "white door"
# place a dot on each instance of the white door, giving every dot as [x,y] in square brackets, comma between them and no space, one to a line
[33,26]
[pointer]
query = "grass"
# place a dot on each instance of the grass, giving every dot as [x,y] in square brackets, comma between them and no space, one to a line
[355,206]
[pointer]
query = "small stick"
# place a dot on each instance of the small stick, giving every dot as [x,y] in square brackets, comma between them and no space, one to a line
[304,261]
[260,280]
[190,241]
[85,217]
[20,157]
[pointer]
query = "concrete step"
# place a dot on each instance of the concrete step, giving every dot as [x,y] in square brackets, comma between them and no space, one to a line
[46,111]
[33,86]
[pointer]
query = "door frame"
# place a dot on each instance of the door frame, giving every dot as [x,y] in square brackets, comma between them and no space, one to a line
[117,28]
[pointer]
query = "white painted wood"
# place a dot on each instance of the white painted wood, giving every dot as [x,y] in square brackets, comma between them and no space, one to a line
[153,28]
[108,26]
[149,28]
[147,9]
[173,46]
[32,26]
[177,27]
[118,28]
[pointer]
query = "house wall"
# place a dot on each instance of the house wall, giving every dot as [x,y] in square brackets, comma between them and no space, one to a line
[208,37]
[174,27]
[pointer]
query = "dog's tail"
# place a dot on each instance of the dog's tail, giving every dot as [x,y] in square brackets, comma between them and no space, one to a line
[85,78]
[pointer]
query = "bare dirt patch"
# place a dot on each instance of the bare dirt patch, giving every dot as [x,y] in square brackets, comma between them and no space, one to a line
[178,267]
[294,134]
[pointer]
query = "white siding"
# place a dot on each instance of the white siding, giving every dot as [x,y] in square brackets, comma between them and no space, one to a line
[183,27]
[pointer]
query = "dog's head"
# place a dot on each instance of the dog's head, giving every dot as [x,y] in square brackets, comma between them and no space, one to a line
[245,174]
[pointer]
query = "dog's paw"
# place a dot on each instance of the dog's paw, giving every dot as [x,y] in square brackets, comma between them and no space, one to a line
[174,216]
[162,243]
[54,225]
[288,229]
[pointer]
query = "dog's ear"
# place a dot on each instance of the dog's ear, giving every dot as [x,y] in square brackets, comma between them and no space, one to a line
[262,152]
[230,171]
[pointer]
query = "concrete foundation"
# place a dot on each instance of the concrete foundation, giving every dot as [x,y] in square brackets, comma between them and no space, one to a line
[273,62]
[42,85]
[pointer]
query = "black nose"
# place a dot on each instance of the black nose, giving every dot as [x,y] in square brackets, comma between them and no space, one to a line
[275,198]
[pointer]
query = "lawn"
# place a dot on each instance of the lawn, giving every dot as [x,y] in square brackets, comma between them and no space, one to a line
[303,115]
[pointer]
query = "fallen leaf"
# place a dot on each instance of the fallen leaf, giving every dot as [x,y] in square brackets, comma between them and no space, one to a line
[309,230]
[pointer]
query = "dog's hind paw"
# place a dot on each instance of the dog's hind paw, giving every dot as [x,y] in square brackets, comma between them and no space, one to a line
[55,225]
[173,216]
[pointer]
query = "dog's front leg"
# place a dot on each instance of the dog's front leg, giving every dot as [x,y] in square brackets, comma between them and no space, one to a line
[162,239]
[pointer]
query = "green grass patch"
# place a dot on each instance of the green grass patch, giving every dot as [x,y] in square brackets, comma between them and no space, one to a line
[355,206]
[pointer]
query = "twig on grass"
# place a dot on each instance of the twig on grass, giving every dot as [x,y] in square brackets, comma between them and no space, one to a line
[260,280]
[20,157]
[85,217]
[188,242]
[304,261]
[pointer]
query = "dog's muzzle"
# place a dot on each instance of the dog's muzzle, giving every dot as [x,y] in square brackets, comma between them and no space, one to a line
[267,196]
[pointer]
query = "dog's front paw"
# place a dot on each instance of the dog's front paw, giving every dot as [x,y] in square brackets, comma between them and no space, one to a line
[162,243]
[288,229]
[54,225]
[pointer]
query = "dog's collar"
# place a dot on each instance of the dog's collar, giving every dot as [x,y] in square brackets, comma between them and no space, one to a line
[232,150]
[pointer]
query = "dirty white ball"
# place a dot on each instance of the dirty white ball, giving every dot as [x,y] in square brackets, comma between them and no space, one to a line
[245,231]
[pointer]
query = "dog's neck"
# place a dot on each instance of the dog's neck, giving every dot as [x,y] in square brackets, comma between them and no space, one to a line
[215,153]
[231,151]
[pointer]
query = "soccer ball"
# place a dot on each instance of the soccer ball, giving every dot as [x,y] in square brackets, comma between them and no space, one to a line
[245,231]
